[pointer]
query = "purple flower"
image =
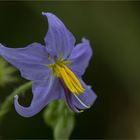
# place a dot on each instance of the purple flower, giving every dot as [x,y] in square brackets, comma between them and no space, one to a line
[55,69]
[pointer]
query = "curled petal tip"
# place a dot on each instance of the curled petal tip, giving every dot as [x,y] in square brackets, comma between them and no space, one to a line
[85,40]
[1,45]
[43,13]
[46,13]
[23,111]
[16,97]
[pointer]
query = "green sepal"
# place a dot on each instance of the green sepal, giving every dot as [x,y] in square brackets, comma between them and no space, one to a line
[60,118]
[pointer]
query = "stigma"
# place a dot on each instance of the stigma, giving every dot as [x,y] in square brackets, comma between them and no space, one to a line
[61,70]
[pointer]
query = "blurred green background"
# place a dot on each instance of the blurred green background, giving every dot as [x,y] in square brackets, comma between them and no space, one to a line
[113,29]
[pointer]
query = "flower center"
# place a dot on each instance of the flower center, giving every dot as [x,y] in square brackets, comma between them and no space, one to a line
[60,69]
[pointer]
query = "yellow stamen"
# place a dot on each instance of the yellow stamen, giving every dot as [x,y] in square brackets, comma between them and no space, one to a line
[73,78]
[61,70]
[67,81]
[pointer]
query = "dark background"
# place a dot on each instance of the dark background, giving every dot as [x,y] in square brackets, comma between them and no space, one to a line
[113,29]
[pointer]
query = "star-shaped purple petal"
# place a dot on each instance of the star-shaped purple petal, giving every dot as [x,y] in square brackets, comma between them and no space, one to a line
[35,60]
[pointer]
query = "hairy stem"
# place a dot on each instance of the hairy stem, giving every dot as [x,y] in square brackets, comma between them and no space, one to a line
[7,104]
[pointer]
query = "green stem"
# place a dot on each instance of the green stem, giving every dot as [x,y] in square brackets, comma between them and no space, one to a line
[7,104]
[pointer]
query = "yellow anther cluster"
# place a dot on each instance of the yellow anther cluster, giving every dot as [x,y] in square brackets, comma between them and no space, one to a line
[61,70]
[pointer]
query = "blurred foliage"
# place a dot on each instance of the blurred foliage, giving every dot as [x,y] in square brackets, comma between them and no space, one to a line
[7,104]
[60,118]
[6,73]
